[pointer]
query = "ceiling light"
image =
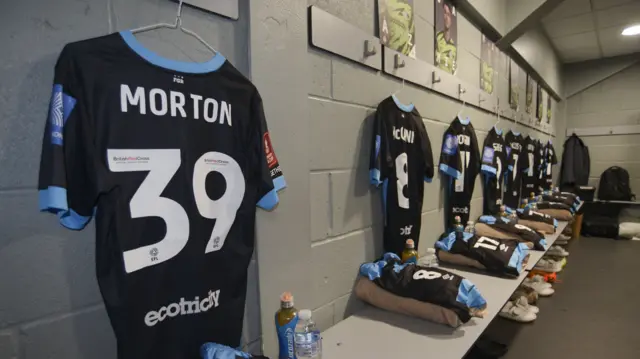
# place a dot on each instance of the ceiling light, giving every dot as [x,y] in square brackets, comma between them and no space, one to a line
[631,30]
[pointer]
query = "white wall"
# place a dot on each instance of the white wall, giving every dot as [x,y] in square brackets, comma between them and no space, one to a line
[613,101]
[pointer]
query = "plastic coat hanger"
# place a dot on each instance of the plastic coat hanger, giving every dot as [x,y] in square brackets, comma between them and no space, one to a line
[176,25]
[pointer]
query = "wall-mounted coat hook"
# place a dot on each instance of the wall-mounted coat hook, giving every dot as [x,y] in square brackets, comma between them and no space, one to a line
[397,63]
[480,99]
[369,48]
[461,90]
[435,78]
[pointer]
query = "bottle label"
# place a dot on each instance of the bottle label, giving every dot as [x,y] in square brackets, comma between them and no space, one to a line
[308,344]
[286,339]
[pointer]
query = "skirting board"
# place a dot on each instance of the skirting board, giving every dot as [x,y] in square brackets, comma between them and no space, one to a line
[605,130]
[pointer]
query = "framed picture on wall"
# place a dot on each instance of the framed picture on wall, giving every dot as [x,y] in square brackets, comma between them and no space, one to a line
[514,85]
[529,94]
[488,62]
[549,108]
[539,103]
[397,27]
[446,42]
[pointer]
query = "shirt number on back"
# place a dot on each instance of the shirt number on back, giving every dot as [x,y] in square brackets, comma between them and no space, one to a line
[499,168]
[515,166]
[402,174]
[465,156]
[162,165]
[489,243]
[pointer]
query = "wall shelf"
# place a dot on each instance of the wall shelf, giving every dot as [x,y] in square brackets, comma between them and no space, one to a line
[337,36]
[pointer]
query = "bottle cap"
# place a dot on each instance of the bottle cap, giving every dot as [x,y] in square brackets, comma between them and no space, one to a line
[409,243]
[286,297]
[457,218]
[431,250]
[304,314]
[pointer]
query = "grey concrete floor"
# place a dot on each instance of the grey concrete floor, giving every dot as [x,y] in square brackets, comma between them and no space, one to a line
[594,313]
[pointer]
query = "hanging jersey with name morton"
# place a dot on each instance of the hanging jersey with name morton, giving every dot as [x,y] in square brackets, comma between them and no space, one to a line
[494,159]
[460,161]
[171,158]
[515,166]
[401,161]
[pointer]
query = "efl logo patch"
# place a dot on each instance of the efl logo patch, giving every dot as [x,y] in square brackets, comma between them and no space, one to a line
[487,155]
[60,108]
[450,145]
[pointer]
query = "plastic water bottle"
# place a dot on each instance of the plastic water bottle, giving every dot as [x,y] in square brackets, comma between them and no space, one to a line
[307,337]
[432,259]
[470,228]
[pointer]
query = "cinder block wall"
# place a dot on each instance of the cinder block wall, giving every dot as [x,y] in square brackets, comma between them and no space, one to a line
[346,222]
[611,102]
[50,305]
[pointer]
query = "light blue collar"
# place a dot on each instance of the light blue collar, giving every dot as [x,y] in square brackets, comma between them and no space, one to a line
[515,133]
[181,66]
[403,107]
[498,131]
[465,121]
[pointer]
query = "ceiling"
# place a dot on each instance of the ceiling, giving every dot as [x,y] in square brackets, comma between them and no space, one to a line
[590,29]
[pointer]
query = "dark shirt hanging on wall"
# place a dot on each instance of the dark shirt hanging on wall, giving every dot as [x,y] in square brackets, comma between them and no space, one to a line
[576,163]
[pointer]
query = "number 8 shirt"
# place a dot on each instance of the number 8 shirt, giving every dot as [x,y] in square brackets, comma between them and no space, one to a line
[171,158]
[401,161]
[460,161]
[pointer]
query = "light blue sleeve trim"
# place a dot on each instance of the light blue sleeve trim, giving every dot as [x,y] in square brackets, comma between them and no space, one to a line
[449,171]
[373,270]
[555,223]
[469,295]
[269,200]
[72,220]
[487,219]
[447,242]
[279,183]
[510,167]
[489,169]
[219,351]
[374,175]
[53,199]
[428,179]
[518,256]
[520,210]
[466,236]
[508,210]
[190,67]
[544,243]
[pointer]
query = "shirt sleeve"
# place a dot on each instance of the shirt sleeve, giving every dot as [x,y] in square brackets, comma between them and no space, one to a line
[554,158]
[450,156]
[271,176]
[66,183]
[425,145]
[380,154]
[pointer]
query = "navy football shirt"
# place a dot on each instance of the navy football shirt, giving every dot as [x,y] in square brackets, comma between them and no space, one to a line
[401,161]
[460,162]
[171,159]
